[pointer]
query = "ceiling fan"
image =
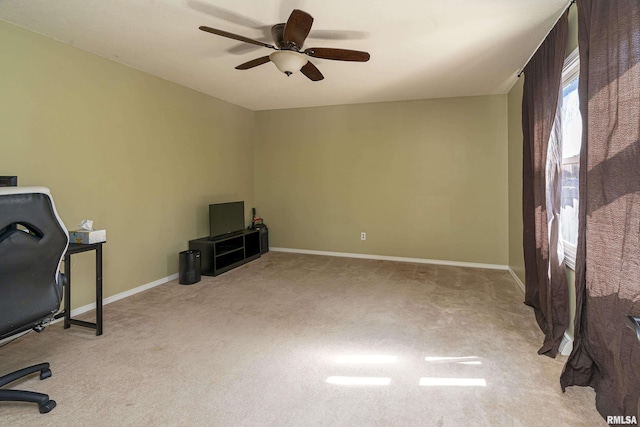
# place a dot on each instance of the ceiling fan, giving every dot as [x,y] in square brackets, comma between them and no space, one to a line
[289,38]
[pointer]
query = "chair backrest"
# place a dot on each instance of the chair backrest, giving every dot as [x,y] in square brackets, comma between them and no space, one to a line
[33,241]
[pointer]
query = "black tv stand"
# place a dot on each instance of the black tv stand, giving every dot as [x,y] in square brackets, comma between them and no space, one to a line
[223,253]
[224,236]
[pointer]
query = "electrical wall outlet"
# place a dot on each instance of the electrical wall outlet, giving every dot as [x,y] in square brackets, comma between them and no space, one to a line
[363,236]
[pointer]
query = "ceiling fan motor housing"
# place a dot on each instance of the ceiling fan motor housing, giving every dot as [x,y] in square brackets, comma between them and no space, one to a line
[277,33]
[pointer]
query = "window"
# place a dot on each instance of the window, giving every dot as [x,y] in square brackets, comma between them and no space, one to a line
[571,141]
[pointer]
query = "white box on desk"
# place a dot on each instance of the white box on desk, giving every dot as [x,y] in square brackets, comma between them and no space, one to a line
[86,236]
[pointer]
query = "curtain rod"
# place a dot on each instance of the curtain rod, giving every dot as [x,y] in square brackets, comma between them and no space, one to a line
[521,70]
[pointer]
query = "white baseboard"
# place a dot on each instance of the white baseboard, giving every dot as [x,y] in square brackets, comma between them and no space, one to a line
[80,310]
[394,258]
[566,345]
[517,279]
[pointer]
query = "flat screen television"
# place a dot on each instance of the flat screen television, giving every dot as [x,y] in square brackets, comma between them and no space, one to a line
[226,218]
[8,181]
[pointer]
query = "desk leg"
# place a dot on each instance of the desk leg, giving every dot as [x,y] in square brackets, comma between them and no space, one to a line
[99,290]
[67,291]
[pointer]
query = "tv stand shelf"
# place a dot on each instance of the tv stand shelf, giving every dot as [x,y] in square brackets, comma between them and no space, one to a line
[221,254]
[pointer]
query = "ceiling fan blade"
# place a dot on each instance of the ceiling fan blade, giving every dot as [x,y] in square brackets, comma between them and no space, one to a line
[253,63]
[235,36]
[338,35]
[312,72]
[338,54]
[297,28]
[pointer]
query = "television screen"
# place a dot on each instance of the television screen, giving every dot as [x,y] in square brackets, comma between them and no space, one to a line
[225,218]
[8,181]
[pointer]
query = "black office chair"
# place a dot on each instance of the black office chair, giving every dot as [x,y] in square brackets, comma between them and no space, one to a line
[33,241]
[633,322]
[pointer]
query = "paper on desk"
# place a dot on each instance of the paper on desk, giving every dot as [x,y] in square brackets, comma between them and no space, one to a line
[86,224]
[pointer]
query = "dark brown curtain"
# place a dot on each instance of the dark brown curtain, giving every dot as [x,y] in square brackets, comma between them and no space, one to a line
[606,354]
[545,277]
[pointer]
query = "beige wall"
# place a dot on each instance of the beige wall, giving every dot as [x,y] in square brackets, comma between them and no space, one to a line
[424,179]
[144,157]
[516,254]
[140,156]
[572,38]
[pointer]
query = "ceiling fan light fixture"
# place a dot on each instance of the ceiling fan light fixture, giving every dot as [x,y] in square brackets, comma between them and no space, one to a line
[288,61]
[289,38]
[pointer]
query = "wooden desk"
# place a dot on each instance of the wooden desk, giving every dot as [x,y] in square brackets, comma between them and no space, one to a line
[75,248]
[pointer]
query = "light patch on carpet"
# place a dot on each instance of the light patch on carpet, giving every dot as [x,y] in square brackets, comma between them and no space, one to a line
[367,359]
[465,360]
[359,380]
[472,382]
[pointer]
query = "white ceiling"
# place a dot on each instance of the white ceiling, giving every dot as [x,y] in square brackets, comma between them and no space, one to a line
[419,48]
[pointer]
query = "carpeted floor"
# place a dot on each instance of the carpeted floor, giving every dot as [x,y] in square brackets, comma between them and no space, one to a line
[274,342]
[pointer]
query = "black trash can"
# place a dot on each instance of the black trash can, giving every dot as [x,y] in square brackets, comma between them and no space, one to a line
[189,267]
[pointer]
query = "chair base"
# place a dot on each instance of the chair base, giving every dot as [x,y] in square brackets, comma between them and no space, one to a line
[44,403]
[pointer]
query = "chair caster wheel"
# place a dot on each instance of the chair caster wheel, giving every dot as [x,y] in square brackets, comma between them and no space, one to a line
[45,373]
[47,407]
